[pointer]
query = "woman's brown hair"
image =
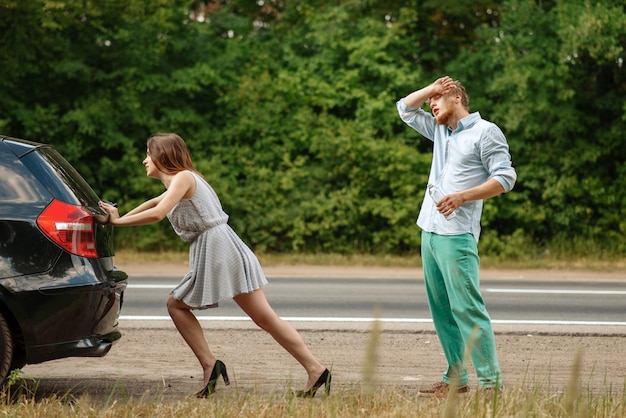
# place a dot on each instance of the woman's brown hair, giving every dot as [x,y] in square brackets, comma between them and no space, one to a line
[169,153]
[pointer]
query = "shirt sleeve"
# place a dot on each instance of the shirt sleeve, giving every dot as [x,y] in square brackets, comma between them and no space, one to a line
[423,122]
[497,159]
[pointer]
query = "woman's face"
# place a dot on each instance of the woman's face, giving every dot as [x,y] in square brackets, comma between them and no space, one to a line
[151,168]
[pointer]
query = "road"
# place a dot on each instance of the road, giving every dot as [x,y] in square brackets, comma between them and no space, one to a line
[562,302]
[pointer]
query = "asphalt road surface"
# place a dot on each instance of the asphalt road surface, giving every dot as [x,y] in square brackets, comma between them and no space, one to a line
[401,300]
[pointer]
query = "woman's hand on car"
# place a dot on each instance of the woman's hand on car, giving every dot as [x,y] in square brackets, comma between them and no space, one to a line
[110,209]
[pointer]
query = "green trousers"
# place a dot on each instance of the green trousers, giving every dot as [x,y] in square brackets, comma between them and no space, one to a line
[451,272]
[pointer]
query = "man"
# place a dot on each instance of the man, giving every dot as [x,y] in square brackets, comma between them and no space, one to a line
[471,162]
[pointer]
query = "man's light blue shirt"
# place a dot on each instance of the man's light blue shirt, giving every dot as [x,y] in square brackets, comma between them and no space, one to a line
[464,158]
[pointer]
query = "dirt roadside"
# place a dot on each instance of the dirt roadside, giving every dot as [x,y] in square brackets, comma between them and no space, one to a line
[152,361]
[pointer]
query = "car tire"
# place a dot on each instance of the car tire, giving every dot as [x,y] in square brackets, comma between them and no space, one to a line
[6,349]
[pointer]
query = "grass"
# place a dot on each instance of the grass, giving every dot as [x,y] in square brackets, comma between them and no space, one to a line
[588,261]
[386,402]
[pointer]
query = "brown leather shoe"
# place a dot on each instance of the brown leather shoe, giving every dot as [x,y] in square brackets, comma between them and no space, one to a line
[441,389]
[489,392]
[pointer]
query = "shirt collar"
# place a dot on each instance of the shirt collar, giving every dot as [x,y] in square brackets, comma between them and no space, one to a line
[467,122]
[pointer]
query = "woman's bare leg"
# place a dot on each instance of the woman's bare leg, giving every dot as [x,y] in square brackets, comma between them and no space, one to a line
[256,306]
[191,331]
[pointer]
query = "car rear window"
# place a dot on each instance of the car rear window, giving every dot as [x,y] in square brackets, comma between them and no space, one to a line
[17,183]
[72,189]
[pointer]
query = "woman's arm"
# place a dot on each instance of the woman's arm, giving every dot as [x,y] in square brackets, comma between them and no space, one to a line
[146,205]
[154,210]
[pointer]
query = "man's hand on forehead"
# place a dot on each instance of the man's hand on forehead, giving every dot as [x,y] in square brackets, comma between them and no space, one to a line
[443,85]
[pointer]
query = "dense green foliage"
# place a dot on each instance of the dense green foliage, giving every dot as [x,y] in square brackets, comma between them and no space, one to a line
[289,109]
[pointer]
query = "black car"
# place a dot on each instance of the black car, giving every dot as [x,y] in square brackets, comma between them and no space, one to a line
[60,293]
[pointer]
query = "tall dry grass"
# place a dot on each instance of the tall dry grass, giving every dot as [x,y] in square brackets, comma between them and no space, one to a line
[343,402]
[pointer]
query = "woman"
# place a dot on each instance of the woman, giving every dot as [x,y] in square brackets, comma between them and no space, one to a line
[221,266]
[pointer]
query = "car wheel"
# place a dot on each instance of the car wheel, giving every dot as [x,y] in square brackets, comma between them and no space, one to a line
[6,348]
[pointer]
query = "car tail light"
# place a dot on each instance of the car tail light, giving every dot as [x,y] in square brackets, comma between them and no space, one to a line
[69,226]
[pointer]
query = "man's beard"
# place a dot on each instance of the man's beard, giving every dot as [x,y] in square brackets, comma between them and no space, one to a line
[443,117]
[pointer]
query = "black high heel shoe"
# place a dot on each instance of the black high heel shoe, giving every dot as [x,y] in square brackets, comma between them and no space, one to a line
[218,369]
[323,380]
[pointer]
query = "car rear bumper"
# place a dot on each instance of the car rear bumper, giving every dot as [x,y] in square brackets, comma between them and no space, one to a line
[86,347]
[72,310]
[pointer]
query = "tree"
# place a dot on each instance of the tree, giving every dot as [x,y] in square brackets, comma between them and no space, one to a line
[559,94]
[289,108]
